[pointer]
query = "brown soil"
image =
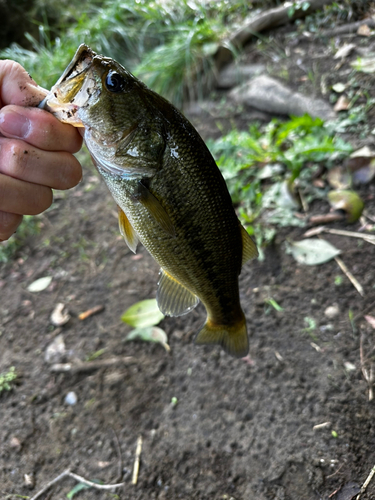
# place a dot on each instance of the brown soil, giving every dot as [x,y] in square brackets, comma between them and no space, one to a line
[241,429]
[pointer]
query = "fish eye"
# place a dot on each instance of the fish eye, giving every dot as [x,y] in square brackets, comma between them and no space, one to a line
[114,82]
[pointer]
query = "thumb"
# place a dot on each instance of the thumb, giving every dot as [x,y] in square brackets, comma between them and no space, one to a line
[17,86]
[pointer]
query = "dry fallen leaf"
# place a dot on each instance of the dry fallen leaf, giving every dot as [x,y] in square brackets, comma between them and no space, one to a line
[344,51]
[370,320]
[342,104]
[40,284]
[59,316]
[364,30]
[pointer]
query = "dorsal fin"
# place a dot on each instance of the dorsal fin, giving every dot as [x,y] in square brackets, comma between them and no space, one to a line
[155,209]
[127,231]
[173,298]
[249,248]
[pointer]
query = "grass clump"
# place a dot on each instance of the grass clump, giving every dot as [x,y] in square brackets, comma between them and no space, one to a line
[7,379]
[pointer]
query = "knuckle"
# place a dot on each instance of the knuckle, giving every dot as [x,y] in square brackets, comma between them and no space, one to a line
[41,200]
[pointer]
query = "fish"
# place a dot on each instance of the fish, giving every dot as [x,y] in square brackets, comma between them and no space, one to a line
[170,194]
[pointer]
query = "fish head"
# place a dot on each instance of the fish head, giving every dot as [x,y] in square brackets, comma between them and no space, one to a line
[99,94]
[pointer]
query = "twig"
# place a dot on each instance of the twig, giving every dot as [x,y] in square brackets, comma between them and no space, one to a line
[90,312]
[82,367]
[138,452]
[321,426]
[350,277]
[368,309]
[366,483]
[69,473]
[347,28]
[334,474]
[326,218]
[370,238]
[118,447]
[368,376]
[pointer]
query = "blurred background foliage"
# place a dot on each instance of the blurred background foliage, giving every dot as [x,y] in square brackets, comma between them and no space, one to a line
[165,42]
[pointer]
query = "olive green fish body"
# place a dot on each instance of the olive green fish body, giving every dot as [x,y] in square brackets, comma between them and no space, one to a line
[171,195]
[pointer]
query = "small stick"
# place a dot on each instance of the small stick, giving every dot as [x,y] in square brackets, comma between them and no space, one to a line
[90,312]
[138,452]
[118,447]
[349,275]
[69,473]
[334,474]
[370,238]
[321,426]
[369,377]
[366,483]
[326,218]
[82,367]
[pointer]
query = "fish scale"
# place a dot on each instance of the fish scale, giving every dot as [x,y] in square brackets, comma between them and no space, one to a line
[171,195]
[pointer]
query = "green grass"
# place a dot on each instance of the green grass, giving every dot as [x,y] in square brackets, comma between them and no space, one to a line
[29,226]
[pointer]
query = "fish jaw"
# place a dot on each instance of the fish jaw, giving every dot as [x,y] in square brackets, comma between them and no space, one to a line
[74,89]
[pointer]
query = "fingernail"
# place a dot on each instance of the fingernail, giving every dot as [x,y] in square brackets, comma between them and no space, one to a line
[14,124]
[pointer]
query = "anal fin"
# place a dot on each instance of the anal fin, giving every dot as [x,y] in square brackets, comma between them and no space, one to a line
[249,248]
[127,231]
[173,298]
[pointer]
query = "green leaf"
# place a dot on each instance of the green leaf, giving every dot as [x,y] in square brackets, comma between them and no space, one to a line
[150,334]
[142,314]
[40,284]
[79,487]
[313,251]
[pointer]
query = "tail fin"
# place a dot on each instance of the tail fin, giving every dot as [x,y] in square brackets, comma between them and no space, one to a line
[233,339]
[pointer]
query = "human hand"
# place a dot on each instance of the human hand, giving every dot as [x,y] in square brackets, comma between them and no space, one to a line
[36,150]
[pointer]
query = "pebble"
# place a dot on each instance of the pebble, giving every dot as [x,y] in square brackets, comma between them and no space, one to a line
[55,351]
[71,398]
[332,311]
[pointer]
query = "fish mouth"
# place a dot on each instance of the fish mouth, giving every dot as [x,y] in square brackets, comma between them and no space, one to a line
[73,89]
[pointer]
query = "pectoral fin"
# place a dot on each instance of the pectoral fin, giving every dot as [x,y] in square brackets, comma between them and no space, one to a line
[127,231]
[249,248]
[173,298]
[155,209]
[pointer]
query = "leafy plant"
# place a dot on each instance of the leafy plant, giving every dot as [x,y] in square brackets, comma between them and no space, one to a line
[7,379]
[262,166]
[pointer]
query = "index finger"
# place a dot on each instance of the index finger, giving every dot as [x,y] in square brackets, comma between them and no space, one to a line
[17,86]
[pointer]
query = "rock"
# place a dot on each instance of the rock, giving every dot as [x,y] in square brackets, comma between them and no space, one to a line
[332,311]
[266,94]
[55,351]
[71,398]
[235,74]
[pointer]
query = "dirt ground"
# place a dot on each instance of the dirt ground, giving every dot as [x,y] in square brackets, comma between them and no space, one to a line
[241,429]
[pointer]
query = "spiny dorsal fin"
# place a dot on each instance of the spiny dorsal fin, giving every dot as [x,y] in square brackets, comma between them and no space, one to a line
[249,248]
[127,231]
[155,209]
[173,298]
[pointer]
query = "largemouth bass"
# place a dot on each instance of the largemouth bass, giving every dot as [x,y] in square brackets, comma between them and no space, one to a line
[170,193]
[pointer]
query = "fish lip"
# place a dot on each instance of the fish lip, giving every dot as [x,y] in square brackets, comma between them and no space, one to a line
[77,59]
[59,99]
